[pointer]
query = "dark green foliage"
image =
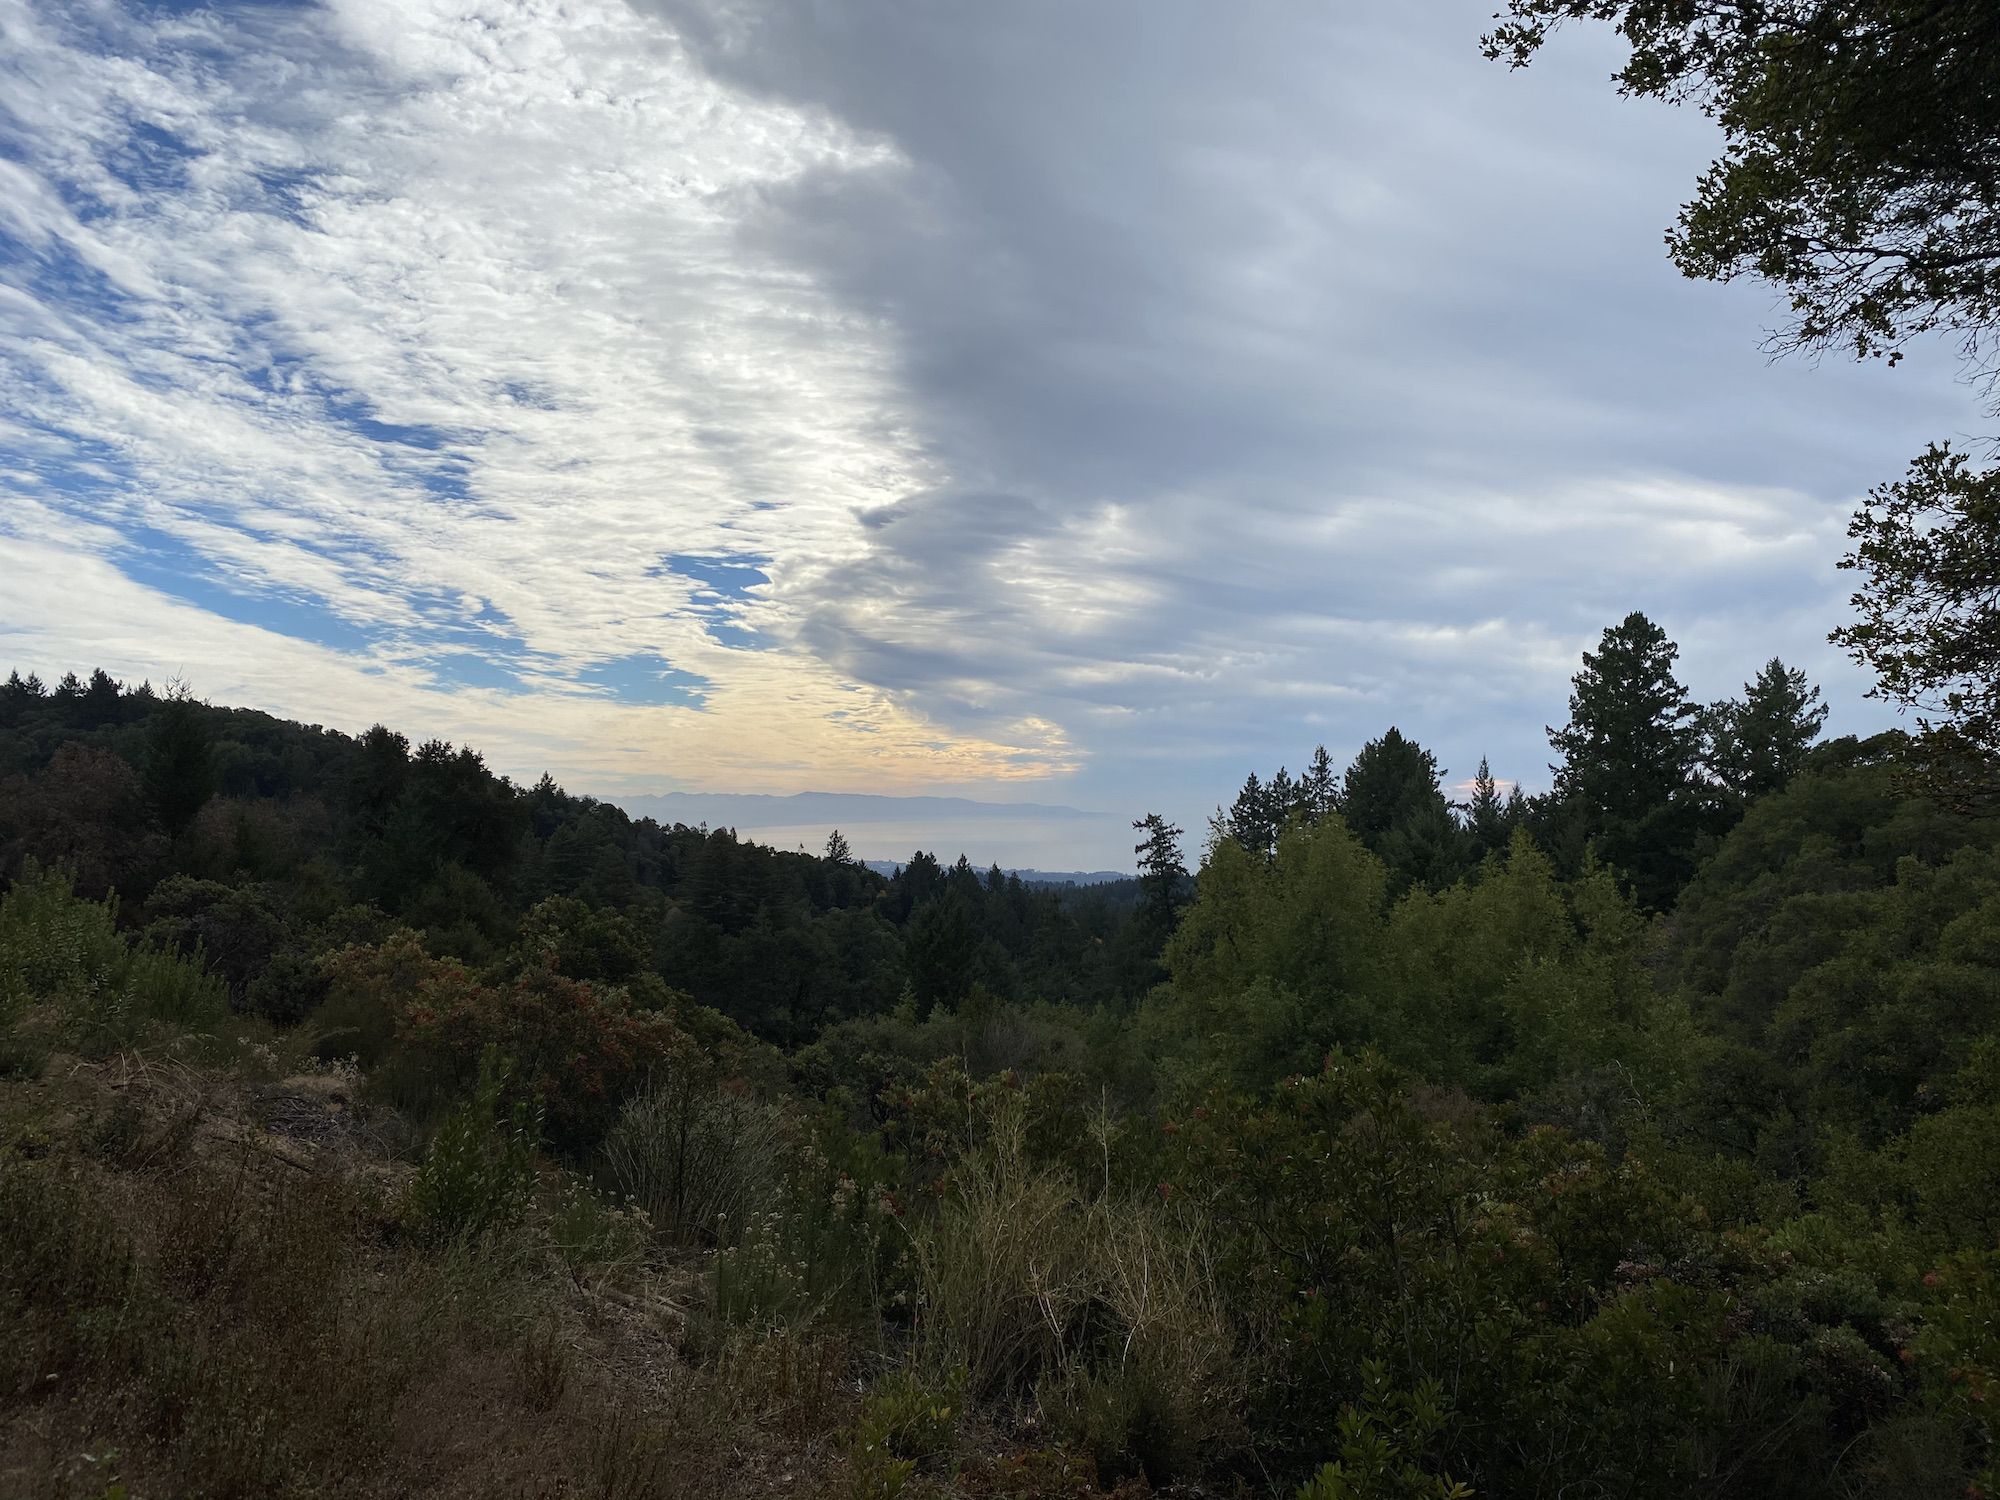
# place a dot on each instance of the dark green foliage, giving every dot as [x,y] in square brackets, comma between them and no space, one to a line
[1929,546]
[1391,800]
[1319,788]
[237,930]
[1389,783]
[307,823]
[1382,1445]
[1255,818]
[1842,930]
[1489,818]
[1759,742]
[479,1172]
[180,757]
[291,987]
[1629,753]
[65,955]
[941,951]
[1161,873]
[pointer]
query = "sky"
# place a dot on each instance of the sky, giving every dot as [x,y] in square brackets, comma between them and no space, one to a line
[1080,406]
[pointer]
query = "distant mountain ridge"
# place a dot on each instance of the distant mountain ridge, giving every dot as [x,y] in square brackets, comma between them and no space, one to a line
[758,809]
[1028,877]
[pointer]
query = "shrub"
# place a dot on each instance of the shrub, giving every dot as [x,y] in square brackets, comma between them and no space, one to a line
[1003,1272]
[371,987]
[289,989]
[578,1049]
[698,1159]
[1106,1310]
[226,1337]
[479,1173]
[1383,1439]
[236,929]
[1155,1379]
[591,1237]
[826,1252]
[903,1424]
[59,950]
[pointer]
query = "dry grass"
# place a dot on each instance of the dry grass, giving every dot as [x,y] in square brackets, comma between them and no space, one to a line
[1103,1315]
[698,1160]
[211,1292]
[200,1306]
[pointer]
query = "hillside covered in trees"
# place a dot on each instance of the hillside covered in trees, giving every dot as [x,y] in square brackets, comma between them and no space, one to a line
[1634,1138]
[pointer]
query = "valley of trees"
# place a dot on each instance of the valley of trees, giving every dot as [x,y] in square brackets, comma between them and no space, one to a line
[1636,1137]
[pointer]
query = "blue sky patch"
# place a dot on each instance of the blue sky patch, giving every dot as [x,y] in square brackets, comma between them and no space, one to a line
[175,569]
[731,576]
[737,637]
[640,678]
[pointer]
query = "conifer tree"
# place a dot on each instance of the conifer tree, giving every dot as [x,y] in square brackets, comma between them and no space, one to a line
[1392,801]
[1759,741]
[100,699]
[1629,754]
[1250,822]
[180,763]
[1389,781]
[1283,799]
[21,689]
[1161,870]
[1486,814]
[1319,789]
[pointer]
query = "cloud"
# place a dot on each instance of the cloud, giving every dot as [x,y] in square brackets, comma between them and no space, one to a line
[609,746]
[1298,372]
[756,396]
[434,321]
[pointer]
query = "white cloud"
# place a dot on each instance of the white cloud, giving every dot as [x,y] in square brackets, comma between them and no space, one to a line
[67,606]
[508,229]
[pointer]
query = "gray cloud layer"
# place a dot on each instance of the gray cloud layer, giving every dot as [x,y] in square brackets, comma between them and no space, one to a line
[1300,370]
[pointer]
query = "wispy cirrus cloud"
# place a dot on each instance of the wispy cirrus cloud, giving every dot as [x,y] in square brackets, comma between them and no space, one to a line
[432,322]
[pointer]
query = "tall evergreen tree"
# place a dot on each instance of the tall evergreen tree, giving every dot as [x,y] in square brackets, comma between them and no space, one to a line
[1161,870]
[21,689]
[1629,754]
[940,946]
[1282,796]
[1392,801]
[180,761]
[101,699]
[1630,743]
[1319,788]
[1486,814]
[1389,781]
[1250,821]
[1759,742]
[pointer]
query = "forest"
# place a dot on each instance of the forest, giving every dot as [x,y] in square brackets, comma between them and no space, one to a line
[1639,1137]
[374,1125]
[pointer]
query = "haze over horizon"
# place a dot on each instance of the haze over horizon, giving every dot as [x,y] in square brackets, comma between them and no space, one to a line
[1077,407]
